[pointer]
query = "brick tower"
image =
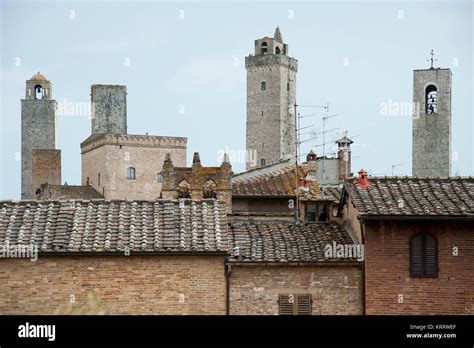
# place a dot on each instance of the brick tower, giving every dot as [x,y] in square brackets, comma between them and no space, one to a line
[271,96]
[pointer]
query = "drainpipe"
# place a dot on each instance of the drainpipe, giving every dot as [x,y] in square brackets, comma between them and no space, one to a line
[228,272]
[362,234]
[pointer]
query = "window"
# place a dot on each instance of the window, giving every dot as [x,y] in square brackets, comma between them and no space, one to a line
[264,48]
[431,99]
[184,189]
[131,173]
[39,92]
[423,256]
[288,86]
[316,212]
[262,162]
[98,179]
[263,86]
[277,50]
[209,189]
[159,177]
[295,304]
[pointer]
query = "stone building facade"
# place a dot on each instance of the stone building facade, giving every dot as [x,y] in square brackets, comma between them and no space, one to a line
[197,182]
[124,166]
[431,154]
[109,109]
[38,126]
[271,96]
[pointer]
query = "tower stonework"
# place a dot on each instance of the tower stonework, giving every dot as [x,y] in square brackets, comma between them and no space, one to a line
[109,109]
[271,96]
[38,126]
[431,152]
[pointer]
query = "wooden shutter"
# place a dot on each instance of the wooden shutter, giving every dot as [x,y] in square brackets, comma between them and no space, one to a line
[431,256]
[304,304]
[285,305]
[423,256]
[295,304]
[416,256]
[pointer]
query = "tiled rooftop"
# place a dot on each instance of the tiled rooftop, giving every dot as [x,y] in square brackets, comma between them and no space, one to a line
[280,182]
[413,196]
[284,242]
[115,226]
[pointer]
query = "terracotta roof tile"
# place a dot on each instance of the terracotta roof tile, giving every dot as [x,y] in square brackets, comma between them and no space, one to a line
[284,242]
[115,226]
[413,196]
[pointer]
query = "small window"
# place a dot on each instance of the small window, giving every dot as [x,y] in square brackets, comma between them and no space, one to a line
[159,177]
[423,256]
[131,173]
[316,212]
[277,50]
[295,304]
[264,48]
[98,179]
[263,86]
[288,86]
[262,162]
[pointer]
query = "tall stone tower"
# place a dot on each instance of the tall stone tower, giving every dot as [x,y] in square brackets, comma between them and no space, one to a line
[431,152]
[109,109]
[271,96]
[38,126]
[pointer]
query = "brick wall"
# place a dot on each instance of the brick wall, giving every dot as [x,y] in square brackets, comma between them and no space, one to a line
[124,285]
[387,269]
[335,289]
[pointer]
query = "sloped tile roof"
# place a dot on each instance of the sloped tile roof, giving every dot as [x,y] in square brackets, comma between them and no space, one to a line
[285,242]
[281,182]
[413,196]
[115,226]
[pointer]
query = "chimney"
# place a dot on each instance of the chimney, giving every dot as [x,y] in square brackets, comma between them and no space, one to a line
[312,165]
[362,180]
[344,157]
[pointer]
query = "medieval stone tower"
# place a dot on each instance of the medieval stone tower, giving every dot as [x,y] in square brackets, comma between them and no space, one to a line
[109,109]
[38,126]
[431,153]
[271,96]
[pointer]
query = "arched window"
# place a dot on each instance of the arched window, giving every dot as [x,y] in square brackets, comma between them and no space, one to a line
[262,162]
[263,86]
[431,99]
[423,256]
[277,50]
[184,189]
[264,48]
[209,189]
[159,177]
[39,93]
[131,173]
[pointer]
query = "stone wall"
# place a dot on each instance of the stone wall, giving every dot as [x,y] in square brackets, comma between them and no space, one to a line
[431,146]
[109,109]
[38,131]
[120,285]
[113,154]
[335,289]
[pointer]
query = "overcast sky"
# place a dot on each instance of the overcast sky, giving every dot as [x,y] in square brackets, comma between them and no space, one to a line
[183,65]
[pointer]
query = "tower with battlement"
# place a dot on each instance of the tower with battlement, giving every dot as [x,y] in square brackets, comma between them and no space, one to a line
[271,98]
